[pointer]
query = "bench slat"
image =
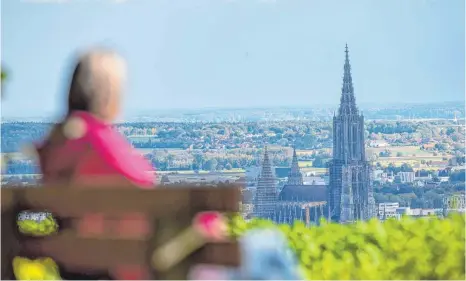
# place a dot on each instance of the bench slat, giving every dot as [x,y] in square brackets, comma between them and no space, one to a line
[75,202]
[103,253]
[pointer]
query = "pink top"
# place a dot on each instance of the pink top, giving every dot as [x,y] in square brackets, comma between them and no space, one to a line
[101,151]
[100,157]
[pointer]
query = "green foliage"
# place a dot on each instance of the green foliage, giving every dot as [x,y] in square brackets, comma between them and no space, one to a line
[410,249]
[44,227]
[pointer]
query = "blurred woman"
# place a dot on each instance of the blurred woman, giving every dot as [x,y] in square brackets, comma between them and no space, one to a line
[85,151]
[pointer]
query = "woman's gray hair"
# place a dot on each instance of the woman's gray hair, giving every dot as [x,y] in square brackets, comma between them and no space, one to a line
[98,76]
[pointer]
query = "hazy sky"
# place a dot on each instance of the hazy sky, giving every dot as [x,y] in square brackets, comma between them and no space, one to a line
[238,53]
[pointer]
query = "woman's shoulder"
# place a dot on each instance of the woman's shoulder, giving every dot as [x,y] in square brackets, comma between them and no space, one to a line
[116,152]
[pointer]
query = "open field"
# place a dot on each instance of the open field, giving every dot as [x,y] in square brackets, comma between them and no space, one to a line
[411,155]
[416,158]
[190,172]
[311,151]
[171,150]
[405,150]
[305,164]
[314,170]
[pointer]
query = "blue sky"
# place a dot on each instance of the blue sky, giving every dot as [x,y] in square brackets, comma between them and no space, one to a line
[243,53]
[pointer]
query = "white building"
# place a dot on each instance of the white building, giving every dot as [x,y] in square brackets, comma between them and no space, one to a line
[407,211]
[427,178]
[378,143]
[455,203]
[313,181]
[444,179]
[387,210]
[406,177]
[378,175]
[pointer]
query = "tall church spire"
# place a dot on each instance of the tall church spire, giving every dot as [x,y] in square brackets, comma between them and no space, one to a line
[347,100]
[266,191]
[350,188]
[294,176]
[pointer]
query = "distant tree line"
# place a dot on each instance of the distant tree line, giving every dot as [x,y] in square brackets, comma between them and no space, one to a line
[417,197]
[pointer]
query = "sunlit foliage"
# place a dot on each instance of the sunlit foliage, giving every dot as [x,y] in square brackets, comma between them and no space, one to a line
[410,249]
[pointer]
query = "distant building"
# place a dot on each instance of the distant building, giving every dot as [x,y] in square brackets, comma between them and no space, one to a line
[423,212]
[387,210]
[402,211]
[378,175]
[428,146]
[393,210]
[422,177]
[295,201]
[419,183]
[454,204]
[314,181]
[406,177]
[378,143]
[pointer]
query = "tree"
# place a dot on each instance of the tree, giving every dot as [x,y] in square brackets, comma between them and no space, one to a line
[405,167]
[450,131]
[211,164]
[198,161]
[170,158]
[457,176]
[440,147]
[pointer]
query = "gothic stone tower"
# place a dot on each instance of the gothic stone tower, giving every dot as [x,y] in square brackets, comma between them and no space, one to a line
[350,188]
[294,176]
[266,192]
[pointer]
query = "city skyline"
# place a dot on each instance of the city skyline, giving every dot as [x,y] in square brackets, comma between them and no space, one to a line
[232,54]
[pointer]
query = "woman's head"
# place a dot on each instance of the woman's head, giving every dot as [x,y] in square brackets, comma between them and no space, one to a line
[97,84]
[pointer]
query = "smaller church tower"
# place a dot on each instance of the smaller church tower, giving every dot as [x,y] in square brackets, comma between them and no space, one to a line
[266,191]
[295,177]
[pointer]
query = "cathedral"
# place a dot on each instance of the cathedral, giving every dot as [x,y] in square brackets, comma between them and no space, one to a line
[295,201]
[349,195]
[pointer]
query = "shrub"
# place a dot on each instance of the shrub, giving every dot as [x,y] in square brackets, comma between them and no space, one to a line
[421,249]
[410,249]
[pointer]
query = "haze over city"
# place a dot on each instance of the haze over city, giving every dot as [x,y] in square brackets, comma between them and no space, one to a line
[196,54]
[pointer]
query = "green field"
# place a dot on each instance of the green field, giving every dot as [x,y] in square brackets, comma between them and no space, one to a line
[405,150]
[314,170]
[190,172]
[305,164]
[411,155]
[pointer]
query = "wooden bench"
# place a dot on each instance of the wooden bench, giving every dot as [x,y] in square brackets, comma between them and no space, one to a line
[169,211]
